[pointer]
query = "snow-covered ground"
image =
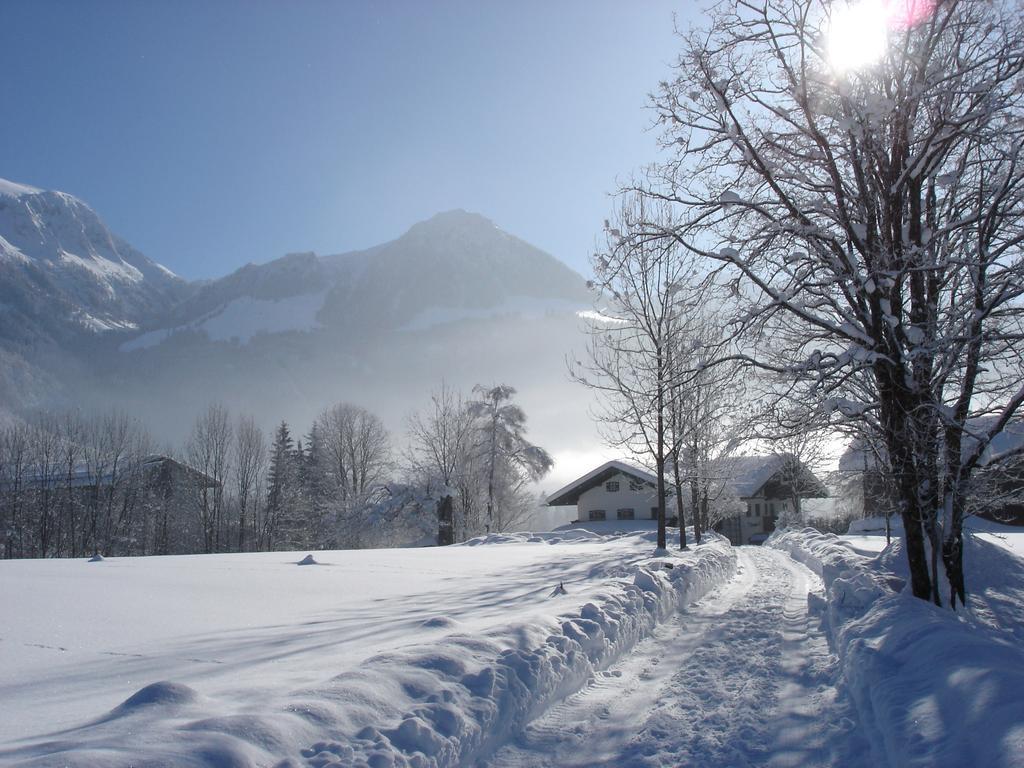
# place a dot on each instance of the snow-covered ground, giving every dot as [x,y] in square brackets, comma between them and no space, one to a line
[867,537]
[575,648]
[406,656]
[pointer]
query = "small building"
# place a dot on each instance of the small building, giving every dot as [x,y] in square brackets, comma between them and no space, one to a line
[614,491]
[757,489]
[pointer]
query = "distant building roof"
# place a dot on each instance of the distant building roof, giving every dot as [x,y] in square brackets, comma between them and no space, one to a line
[860,456]
[82,475]
[745,476]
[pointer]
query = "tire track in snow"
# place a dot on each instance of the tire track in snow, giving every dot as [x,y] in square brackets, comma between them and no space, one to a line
[741,678]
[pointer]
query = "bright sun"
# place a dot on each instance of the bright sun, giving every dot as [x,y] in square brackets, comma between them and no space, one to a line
[857,34]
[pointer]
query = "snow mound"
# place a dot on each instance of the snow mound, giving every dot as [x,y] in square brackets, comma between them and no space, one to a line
[159,694]
[995,583]
[554,537]
[96,559]
[930,687]
[308,560]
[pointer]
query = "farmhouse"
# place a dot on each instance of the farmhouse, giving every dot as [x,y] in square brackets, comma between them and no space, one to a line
[136,505]
[749,494]
[762,489]
[614,491]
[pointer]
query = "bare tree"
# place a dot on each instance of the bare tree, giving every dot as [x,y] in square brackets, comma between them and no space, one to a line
[871,218]
[15,469]
[440,443]
[209,451]
[705,399]
[646,282]
[250,467]
[357,456]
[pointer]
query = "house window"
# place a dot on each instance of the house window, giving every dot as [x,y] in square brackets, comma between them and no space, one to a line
[636,485]
[612,485]
[625,514]
[757,509]
[596,514]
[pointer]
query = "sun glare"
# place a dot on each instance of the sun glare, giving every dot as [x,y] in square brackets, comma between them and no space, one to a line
[857,34]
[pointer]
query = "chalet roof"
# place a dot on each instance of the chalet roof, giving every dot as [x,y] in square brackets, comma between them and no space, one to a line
[570,494]
[749,476]
[83,475]
[744,476]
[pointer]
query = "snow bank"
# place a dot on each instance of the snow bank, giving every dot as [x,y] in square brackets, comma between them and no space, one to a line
[931,688]
[448,699]
[453,703]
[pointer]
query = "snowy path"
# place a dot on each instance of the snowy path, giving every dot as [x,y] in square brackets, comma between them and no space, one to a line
[742,678]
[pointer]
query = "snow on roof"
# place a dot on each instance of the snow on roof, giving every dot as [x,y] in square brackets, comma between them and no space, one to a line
[748,474]
[570,493]
[745,476]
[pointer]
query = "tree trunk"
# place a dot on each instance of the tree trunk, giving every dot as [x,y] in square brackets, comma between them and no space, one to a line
[913,539]
[953,553]
[679,501]
[445,522]
[662,533]
[695,510]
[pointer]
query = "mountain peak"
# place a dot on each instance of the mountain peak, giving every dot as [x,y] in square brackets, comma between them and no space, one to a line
[13,189]
[455,220]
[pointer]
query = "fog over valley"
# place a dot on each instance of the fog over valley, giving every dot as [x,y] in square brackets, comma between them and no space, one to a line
[91,323]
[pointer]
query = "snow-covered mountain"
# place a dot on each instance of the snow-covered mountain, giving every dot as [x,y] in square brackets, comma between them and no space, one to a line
[65,281]
[87,320]
[61,268]
[454,267]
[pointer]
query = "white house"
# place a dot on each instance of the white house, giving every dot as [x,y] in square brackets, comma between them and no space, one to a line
[758,488]
[614,491]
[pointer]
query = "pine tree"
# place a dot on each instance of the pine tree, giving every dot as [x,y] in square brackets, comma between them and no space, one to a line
[281,481]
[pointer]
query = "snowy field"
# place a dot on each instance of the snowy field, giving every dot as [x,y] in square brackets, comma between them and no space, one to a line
[867,537]
[569,648]
[422,652]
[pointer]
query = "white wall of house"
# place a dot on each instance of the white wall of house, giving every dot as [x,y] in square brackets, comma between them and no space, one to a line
[619,492]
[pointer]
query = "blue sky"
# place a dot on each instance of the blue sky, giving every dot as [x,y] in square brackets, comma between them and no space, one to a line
[213,133]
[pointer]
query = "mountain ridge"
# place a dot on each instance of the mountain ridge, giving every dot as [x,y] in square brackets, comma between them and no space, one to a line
[86,320]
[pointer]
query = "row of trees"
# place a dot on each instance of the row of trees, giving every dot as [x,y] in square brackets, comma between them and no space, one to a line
[858,231]
[651,347]
[47,509]
[73,485]
[472,458]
